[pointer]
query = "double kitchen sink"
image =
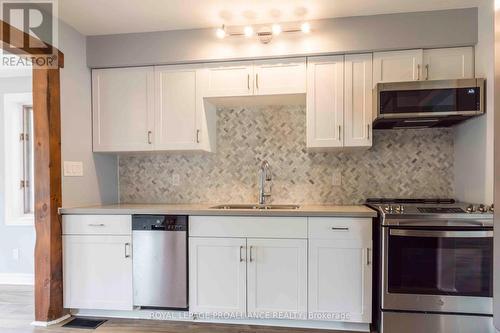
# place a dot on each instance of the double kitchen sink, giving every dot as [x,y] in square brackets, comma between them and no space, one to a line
[256,206]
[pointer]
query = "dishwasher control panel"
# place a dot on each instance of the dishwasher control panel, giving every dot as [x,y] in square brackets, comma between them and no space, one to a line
[160,222]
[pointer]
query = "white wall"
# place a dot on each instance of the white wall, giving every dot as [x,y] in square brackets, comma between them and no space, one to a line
[13,237]
[474,139]
[99,183]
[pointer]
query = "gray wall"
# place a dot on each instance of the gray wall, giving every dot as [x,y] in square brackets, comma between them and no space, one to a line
[13,237]
[99,183]
[340,35]
[474,139]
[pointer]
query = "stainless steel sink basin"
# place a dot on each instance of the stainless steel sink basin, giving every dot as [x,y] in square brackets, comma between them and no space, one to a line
[255,206]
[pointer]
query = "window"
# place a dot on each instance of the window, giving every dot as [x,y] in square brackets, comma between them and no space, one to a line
[18,159]
[26,138]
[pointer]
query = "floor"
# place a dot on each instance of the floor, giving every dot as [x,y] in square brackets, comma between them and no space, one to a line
[16,315]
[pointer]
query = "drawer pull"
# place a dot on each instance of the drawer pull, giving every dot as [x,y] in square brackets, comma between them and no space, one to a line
[96,225]
[340,228]
[368,259]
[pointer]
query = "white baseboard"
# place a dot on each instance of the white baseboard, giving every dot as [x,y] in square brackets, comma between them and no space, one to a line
[17,279]
[52,322]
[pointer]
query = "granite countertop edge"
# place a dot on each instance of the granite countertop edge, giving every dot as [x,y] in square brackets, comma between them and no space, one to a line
[205,210]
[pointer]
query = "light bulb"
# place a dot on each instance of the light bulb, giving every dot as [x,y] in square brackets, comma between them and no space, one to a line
[220,33]
[276,29]
[305,27]
[248,31]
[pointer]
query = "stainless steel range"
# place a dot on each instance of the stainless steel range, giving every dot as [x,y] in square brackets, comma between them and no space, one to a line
[435,260]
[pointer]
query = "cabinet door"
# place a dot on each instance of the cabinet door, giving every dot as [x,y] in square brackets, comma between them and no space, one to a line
[217,275]
[325,101]
[449,63]
[340,282]
[97,272]
[277,275]
[177,108]
[123,109]
[358,100]
[281,76]
[228,79]
[396,66]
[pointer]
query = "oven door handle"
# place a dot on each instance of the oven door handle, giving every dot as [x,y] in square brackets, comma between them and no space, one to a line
[441,233]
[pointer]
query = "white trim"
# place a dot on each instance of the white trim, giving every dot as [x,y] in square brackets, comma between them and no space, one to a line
[17,279]
[49,323]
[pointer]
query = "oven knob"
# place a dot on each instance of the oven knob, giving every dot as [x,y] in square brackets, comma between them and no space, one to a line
[388,209]
[399,209]
[492,208]
[470,209]
[482,208]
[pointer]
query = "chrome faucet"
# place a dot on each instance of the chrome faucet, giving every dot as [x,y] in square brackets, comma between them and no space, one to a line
[264,176]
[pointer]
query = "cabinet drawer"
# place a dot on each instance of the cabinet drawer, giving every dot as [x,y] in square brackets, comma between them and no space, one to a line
[248,226]
[97,225]
[340,228]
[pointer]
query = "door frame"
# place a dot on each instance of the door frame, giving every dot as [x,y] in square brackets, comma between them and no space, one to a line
[47,182]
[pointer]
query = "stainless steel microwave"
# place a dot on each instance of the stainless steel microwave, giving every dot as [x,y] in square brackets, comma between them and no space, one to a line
[433,103]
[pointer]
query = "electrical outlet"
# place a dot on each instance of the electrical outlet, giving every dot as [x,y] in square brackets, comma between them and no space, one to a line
[336,178]
[73,169]
[15,254]
[176,180]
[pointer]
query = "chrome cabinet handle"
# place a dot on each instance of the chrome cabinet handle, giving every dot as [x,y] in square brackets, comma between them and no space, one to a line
[257,80]
[340,228]
[248,81]
[96,224]
[149,137]
[251,254]
[418,72]
[368,259]
[241,256]
[368,133]
[427,71]
[197,136]
[340,131]
[127,250]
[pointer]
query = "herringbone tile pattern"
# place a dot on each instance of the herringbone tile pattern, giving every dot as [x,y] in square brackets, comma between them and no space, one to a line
[403,163]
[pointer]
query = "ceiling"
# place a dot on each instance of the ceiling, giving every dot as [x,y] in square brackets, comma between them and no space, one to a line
[101,17]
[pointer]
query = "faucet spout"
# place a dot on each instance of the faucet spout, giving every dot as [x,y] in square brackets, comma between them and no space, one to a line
[265,175]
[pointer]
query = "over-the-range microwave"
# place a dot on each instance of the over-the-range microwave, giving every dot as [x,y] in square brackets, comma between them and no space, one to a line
[433,103]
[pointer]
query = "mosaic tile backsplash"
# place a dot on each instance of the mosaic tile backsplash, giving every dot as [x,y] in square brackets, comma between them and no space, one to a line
[401,163]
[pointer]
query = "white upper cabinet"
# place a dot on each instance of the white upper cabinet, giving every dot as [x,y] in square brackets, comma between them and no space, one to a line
[217,275]
[358,115]
[449,63]
[228,79]
[325,101]
[281,76]
[123,109]
[396,66]
[277,275]
[177,110]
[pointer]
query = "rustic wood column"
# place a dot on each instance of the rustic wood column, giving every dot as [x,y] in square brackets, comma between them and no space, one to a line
[48,195]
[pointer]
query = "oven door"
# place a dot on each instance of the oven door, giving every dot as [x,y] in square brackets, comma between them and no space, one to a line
[437,270]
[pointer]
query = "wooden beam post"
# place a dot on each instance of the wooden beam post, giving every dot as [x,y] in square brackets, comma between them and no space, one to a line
[48,195]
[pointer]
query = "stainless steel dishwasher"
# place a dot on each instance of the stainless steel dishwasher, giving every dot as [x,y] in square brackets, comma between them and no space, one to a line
[160,261]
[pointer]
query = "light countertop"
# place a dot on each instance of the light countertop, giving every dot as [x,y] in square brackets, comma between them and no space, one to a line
[204,209]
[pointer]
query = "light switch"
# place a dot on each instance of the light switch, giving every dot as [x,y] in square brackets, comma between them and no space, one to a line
[73,169]
[336,178]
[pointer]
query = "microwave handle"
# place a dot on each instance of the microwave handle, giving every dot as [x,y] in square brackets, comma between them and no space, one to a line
[440,233]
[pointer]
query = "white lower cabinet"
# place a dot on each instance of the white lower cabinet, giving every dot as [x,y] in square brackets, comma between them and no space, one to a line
[217,275]
[340,269]
[97,272]
[277,275]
